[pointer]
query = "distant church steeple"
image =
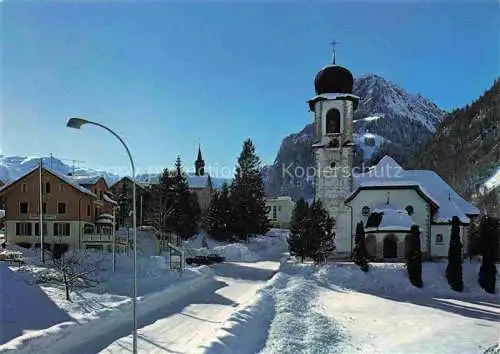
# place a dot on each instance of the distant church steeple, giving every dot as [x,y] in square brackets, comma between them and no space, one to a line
[199,164]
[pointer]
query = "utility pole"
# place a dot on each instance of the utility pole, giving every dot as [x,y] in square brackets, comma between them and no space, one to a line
[40,212]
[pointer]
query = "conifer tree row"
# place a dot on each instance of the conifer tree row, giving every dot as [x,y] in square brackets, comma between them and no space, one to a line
[311,232]
[239,210]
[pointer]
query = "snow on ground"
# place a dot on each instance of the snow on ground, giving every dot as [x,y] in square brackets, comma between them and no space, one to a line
[257,248]
[189,324]
[101,304]
[339,309]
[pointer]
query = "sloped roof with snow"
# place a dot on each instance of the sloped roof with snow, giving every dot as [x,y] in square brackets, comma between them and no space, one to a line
[108,199]
[388,173]
[86,179]
[64,178]
[392,219]
[195,181]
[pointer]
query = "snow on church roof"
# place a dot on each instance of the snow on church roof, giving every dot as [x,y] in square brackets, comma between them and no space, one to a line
[393,219]
[195,181]
[388,173]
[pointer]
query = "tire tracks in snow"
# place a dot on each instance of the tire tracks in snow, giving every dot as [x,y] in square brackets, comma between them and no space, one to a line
[298,325]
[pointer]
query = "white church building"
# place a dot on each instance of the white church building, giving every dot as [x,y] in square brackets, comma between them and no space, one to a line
[386,198]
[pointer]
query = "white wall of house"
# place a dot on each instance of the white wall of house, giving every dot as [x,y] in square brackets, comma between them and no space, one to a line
[440,249]
[77,236]
[280,211]
[398,198]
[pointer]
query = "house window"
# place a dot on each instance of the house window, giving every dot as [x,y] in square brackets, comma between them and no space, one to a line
[333,121]
[88,229]
[100,195]
[23,188]
[47,187]
[61,187]
[44,208]
[61,229]
[23,229]
[37,228]
[409,210]
[365,211]
[88,209]
[439,238]
[275,216]
[23,208]
[279,207]
[61,208]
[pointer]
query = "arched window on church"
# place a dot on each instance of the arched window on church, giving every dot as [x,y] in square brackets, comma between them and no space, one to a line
[333,121]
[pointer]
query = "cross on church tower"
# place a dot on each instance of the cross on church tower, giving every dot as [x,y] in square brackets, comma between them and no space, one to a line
[333,43]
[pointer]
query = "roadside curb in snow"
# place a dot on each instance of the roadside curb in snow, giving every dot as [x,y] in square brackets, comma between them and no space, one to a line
[64,336]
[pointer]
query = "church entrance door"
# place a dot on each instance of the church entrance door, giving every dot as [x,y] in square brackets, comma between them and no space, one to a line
[390,246]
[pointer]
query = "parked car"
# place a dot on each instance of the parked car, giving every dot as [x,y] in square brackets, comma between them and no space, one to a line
[205,260]
[216,258]
[198,260]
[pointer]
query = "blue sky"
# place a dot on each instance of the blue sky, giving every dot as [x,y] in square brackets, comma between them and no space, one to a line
[166,75]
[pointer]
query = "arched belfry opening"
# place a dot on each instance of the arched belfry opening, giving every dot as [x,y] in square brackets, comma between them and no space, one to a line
[333,121]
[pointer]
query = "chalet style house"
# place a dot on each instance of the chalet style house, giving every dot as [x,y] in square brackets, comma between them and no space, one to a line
[77,212]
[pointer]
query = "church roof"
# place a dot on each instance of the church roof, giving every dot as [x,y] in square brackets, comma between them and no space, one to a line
[195,181]
[390,220]
[388,174]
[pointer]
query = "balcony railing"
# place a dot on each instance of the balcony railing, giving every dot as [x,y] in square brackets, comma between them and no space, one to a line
[102,238]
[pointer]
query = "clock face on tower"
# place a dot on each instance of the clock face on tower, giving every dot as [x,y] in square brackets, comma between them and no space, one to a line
[333,121]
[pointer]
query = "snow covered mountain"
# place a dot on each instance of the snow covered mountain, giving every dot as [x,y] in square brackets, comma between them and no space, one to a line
[387,115]
[12,167]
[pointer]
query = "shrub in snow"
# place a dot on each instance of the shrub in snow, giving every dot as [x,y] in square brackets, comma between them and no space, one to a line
[297,241]
[72,271]
[360,255]
[454,268]
[489,242]
[414,257]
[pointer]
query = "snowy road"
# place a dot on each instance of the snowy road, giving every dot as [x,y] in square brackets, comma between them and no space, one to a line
[187,325]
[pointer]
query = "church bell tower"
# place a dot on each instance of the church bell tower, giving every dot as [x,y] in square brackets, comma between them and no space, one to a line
[333,108]
[199,164]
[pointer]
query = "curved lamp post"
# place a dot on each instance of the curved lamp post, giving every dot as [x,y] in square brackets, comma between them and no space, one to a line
[77,123]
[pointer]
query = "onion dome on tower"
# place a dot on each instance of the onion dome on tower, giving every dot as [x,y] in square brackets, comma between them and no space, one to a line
[333,81]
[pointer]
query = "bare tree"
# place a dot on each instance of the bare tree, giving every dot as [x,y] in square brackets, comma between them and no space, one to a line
[71,270]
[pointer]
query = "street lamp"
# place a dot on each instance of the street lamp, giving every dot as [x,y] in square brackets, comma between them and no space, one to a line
[77,123]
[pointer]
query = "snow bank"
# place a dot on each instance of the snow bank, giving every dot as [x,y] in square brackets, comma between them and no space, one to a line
[63,337]
[257,248]
[392,278]
[19,301]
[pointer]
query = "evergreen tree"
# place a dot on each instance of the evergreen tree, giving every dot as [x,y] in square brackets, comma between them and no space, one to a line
[360,255]
[414,257]
[249,215]
[320,235]
[489,242]
[218,220]
[124,200]
[183,214]
[454,268]
[299,226]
